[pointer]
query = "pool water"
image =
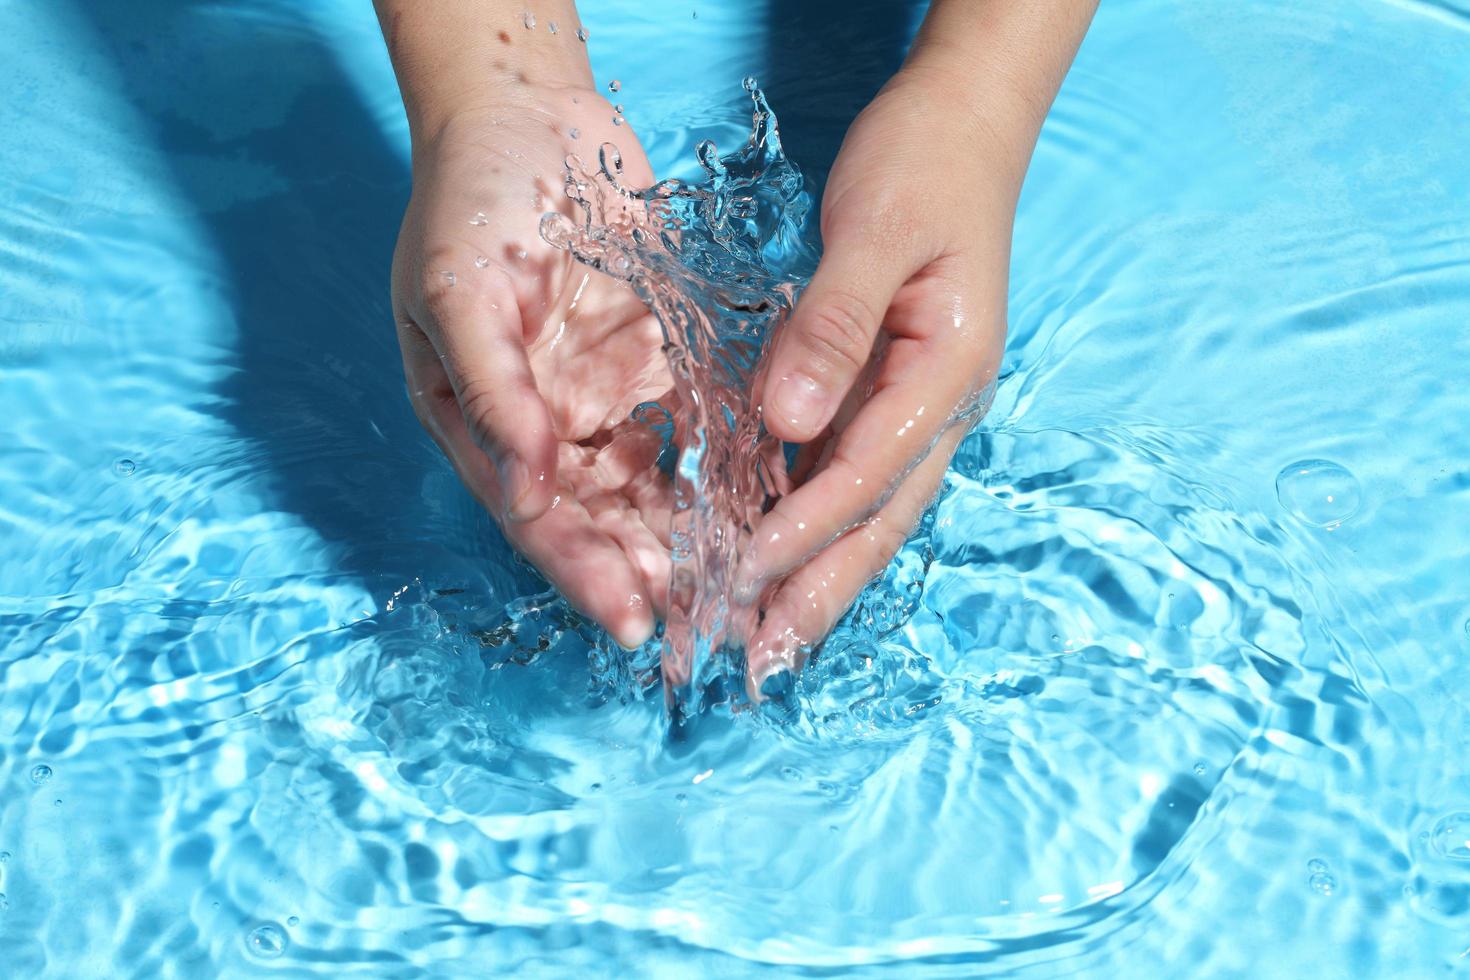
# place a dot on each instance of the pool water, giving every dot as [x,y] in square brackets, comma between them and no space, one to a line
[1173,679]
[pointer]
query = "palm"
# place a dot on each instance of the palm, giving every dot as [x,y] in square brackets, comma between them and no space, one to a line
[594,351]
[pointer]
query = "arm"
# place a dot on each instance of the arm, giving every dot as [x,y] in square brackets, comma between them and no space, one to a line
[910,297]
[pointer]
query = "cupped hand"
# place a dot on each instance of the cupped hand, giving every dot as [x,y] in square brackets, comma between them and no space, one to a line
[887,359]
[523,365]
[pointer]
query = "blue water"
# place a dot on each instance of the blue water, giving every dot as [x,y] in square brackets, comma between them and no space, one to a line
[1173,680]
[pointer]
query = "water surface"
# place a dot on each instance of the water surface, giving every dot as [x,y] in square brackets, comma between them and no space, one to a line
[1141,693]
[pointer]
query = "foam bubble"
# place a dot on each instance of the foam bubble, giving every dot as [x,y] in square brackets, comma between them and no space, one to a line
[1318,492]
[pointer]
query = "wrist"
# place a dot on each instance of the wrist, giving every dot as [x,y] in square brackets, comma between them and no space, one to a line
[454,57]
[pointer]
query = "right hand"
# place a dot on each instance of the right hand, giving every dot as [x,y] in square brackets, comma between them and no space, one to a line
[523,365]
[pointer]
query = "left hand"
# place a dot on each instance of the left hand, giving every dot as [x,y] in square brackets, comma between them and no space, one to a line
[886,361]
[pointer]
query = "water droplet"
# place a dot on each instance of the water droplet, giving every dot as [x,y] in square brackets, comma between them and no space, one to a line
[1322,883]
[576,133]
[40,774]
[125,467]
[1317,866]
[1200,769]
[614,86]
[551,26]
[449,277]
[582,34]
[617,120]
[295,920]
[266,942]
[521,254]
[479,219]
[1318,492]
[1450,837]
[481,262]
[529,19]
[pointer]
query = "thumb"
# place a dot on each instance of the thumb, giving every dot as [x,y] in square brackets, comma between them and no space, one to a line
[825,345]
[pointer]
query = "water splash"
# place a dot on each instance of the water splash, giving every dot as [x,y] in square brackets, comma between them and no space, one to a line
[720,262]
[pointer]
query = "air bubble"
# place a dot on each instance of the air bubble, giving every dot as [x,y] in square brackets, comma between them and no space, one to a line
[481,262]
[582,34]
[125,467]
[576,133]
[529,19]
[479,219]
[4,856]
[614,86]
[618,108]
[551,26]
[4,902]
[1322,883]
[40,774]
[1318,492]
[1200,769]
[266,942]
[521,254]
[617,120]
[1450,837]
[1317,866]
[448,277]
[294,921]
[748,83]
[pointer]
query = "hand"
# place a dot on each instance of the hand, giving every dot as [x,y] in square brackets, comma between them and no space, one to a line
[524,366]
[887,359]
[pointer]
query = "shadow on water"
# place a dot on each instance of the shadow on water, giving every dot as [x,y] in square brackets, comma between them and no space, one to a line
[304,252]
[825,60]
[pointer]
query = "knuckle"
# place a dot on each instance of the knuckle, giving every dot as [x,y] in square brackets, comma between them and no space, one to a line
[887,538]
[840,331]
[478,400]
[439,295]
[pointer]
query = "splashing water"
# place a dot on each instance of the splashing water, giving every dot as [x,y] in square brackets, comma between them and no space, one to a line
[720,263]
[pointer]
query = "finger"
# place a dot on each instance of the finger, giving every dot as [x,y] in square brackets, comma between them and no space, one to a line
[475,327]
[897,427]
[810,602]
[592,571]
[576,553]
[826,343]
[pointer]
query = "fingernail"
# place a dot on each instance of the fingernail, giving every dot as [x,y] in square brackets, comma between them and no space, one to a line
[633,634]
[800,401]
